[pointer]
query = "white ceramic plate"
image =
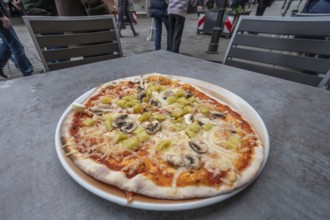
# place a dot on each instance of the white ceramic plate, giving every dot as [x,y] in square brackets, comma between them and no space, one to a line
[116,195]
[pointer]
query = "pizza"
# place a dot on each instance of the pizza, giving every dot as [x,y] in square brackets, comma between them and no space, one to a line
[157,136]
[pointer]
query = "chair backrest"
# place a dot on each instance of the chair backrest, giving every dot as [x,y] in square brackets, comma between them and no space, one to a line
[310,15]
[292,48]
[64,42]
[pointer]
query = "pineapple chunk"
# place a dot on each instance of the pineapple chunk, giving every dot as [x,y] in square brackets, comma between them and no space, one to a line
[171,100]
[106,100]
[195,127]
[145,117]
[121,103]
[190,133]
[108,124]
[120,137]
[131,143]
[138,108]
[159,117]
[164,145]
[176,113]
[204,110]
[88,122]
[207,127]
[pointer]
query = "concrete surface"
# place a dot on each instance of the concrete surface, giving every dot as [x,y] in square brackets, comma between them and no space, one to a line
[193,44]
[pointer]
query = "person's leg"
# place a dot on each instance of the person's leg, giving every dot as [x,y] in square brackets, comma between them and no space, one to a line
[11,39]
[5,55]
[260,10]
[119,26]
[132,27]
[171,23]
[129,20]
[158,33]
[168,34]
[178,30]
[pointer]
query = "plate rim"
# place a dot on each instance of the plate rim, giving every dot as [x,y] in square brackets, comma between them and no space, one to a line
[202,202]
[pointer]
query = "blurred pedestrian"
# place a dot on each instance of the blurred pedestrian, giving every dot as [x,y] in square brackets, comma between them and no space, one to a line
[10,46]
[38,7]
[262,5]
[124,17]
[177,12]
[158,11]
[319,7]
[85,7]
[210,4]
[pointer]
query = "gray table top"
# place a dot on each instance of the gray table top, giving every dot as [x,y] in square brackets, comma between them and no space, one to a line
[293,185]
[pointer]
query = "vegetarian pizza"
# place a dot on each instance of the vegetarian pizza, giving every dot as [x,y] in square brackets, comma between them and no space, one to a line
[157,136]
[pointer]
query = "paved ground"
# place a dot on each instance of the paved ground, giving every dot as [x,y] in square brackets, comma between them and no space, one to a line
[193,44]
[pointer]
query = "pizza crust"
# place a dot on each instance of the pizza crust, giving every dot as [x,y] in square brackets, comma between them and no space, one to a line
[141,184]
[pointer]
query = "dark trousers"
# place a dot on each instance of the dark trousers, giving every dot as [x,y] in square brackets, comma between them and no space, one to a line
[176,23]
[260,10]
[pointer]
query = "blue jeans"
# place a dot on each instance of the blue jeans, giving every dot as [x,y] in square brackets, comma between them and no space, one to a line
[158,33]
[10,46]
[322,6]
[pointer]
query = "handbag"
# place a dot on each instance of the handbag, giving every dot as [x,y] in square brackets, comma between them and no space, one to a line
[151,31]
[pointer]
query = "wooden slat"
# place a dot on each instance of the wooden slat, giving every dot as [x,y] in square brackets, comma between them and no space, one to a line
[78,38]
[296,62]
[307,79]
[89,50]
[286,27]
[285,44]
[61,26]
[62,65]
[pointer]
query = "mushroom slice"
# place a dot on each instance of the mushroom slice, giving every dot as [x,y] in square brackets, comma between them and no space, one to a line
[215,115]
[152,127]
[189,118]
[124,123]
[168,93]
[198,146]
[175,161]
[192,161]
[189,94]
[155,102]
[141,95]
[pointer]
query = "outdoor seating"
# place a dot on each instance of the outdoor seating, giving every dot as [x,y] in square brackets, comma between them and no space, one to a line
[292,48]
[64,42]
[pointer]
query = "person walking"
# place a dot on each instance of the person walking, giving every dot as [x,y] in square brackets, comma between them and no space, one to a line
[10,46]
[262,5]
[124,16]
[177,12]
[85,7]
[158,11]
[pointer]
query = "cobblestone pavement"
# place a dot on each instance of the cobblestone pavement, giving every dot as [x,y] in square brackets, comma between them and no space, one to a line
[193,44]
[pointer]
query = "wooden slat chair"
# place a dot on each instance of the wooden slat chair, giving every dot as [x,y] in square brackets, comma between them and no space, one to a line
[64,42]
[292,48]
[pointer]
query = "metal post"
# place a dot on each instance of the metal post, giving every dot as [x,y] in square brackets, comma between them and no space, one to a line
[214,43]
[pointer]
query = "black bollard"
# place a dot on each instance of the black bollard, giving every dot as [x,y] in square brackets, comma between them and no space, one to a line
[214,43]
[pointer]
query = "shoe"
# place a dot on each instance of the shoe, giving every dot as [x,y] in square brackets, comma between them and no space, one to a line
[136,34]
[3,75]
[38,71]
